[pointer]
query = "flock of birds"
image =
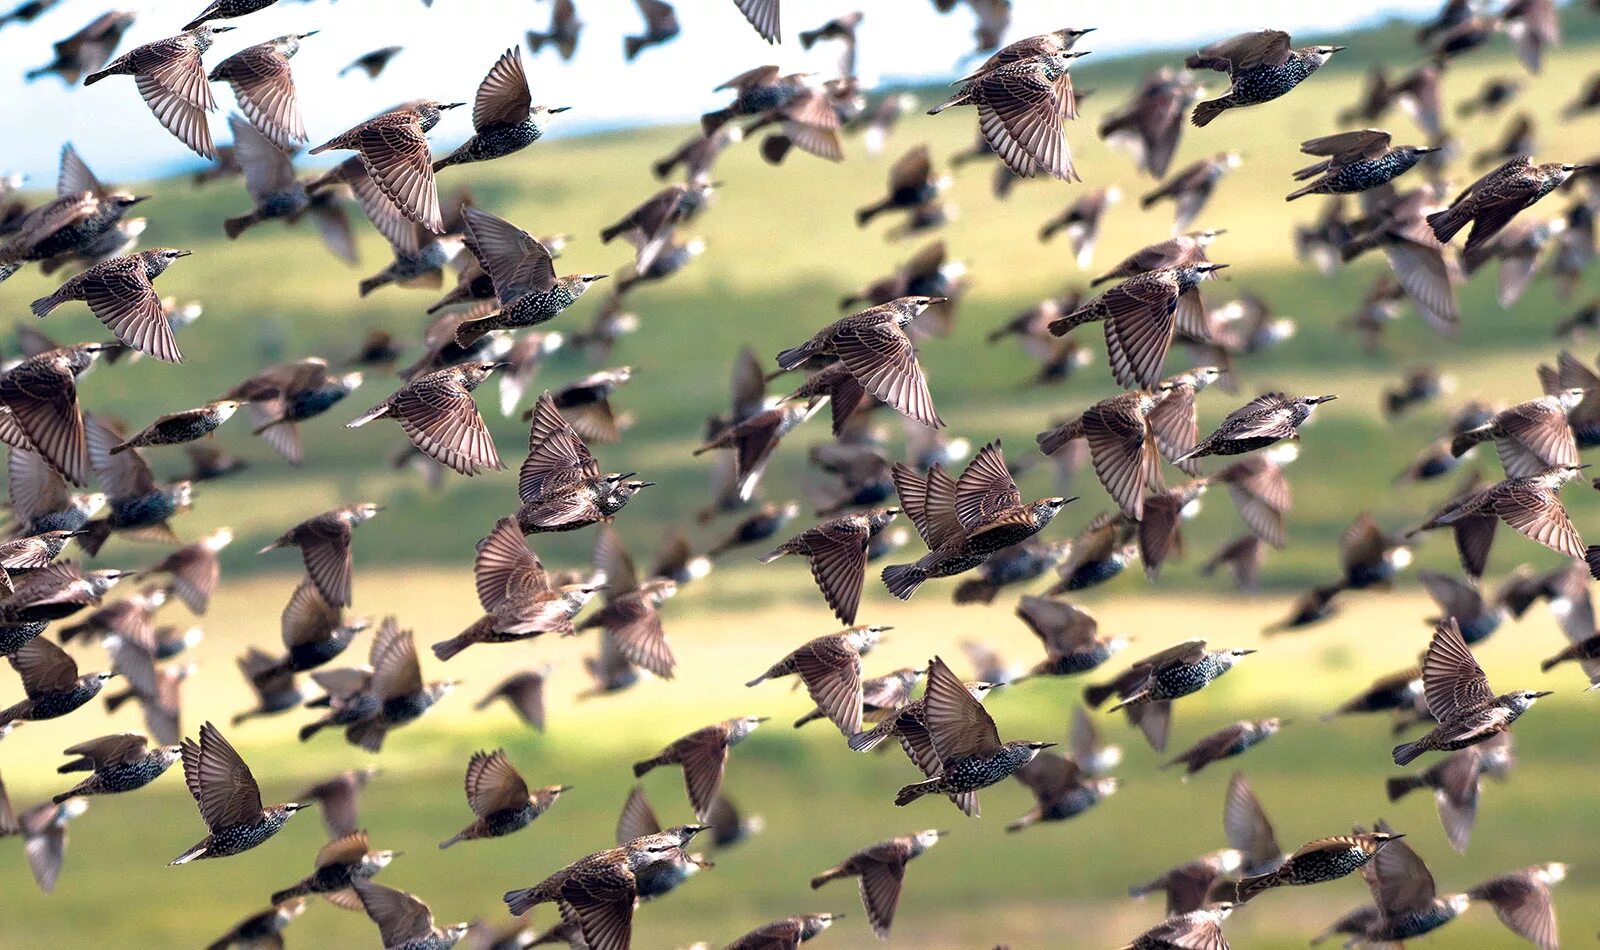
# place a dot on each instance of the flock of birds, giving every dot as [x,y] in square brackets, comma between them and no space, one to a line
[976,525]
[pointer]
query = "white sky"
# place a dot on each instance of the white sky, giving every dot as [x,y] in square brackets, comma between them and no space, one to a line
[451,45]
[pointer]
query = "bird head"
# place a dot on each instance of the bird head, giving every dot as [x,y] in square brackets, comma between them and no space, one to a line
[226,407]
[927,839]
[1552,872]
[1208,271]
[549,110]
[1384,837]
[1236,652]
[102,677]
[128,201]
[382,858]
[1569,398]
[1568,168]
[1458,903]
[1321,54]
[455,933]
[290,808]
[1522,699]
[978,689]
[365,511]
[182,494]
[1107,785]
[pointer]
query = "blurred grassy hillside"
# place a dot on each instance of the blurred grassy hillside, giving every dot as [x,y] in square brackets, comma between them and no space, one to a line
[782,250]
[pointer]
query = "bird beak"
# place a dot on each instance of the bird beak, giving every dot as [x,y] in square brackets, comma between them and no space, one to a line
[625,476]
[595,277]
[1429,149]
[304,36]
[182,253]
[1335,49]
[138,198]
[1542,693]
[763,719]
[1246,652]
[1319,400]
[1077,53]
[560,108]
[451,105]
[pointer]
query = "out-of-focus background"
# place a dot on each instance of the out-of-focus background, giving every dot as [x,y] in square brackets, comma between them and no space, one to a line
[782,248]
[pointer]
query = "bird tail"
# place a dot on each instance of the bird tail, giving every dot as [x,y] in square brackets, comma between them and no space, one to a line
[457,157]
[1136,699]
[631,45]
[663,168]
[95,77]
[808,39]
[456,838]
[233,227]
[290,892]
[120,447]
[1024,821]
[1096,694]
[368,734]
[369,284]
[44,305]
[521,901]
[903,579]
[536,41]
[1447,223]
[831,874]
[73,792]
[775,148]
[1208,110]
[641,768]
[772,555]
[1052,442]
[959,99]
[1251,886]
[1406,752]
[198,851]
[914,791]
[445,649]
[92,536]
[610,234]
[312,728]
[865,215]
[1464,441]
[116,701]
[1400,786]
[812,716]
[1310,189]
[1064,325]
[381,409]
[470,330]
[712,121]
[794,356]
[1546,666]
[871,738]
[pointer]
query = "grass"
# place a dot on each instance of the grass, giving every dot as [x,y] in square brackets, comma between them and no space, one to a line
[782,251]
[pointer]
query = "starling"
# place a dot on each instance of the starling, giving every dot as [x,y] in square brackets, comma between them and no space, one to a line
[1101,551]
[660,25]
[1492,201]
[1419,387]
[82,215]
[263,85]
[1190,187]
[1458,696]
[830,668]
[698,154]
[610,671]
[1532,25]
[631,614]
[500,798]
[129,618]
[120,294]
[1404,905]
[1151,123]
[340,863]
[1070,636]
[315,632]
[417,255]
[22,555]
[1325,859]
[1531,438]
[88,49]
[229,799]
[1225,743]
[754,528]
[524,693]
[1122,448]
[227,10]
[964,521]
[704,757]
[1022,94]
[1179,251]
[882,696]
[324,543]
[1242,556]
[1016,564]
[881,868]
[756,438]
[1191,885]
[967,752]
[519,598]
[560,484]
[787,933]
[176,428]
[1420,266]
[347,691]
[649,227]
[1522,901]
[565,27]
[1197,928]
[638,820]
[1081,221]
[404,921]
[504,118]
[912,183]
[875,347]
[281,397]
[1247,828]
[1455,784]
[1261,66]
[1065,787]
[259,928]
[120,763]
[1478,616]
[841,28]
[438,415]
[273,684]
[1369,556]
[44,836]
[1530,505]
[51,681]
[1141,314]
[397,686]
[374,62]
[52,592]
[525,280]
[1263,421]
[172,82]
[393,147]
[194,571]
[337,798]
[1355,162]
[1146,689]
[30,10]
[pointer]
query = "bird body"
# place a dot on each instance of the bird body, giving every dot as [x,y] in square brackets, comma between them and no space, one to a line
[830,668]
[120,294]
[881,868]
[500,799]
[229,800]
[1356,162]
[1326,859]
[438,415]
[1458,696]
[1492,201]
[504,118]
[1141,315]
[1265,420]
[560,484]
[1261,67]
[122,763]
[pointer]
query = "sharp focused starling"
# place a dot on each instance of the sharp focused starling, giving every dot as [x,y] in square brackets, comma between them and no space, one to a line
[599,891]
[1405,904]
[1531,506]
[875,346]
[560,483]
[263,85]
[121,763]
[967,752]
[500,798]
[259,928]
[1263,421]
[524,277]
[80,217]
[638,820]
[404,921]
[1522,901]
[1225,743]
[52,592]
[1023,93]
[50,679]
[1326,859]
[229,799]
[340,863]
[504,118]
[1260,66]
[1490,203]
[1355,162]
[1121,446]
[1146,689]
[881,869]
[227,10]
[176,428]
[830,668]
[324,543]
[703,754]
[393,148]
[1458,696]
[1531,438]
[120,294]
[1070,636]
[337,798]
[786,934]
[964,521]
[519,599]
[438,415]
[1141,314]
[1197,928]
[172,81]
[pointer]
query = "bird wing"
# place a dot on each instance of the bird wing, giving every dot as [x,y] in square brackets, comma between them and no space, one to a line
[1400,882]
[396,157]
[1139,325]
[1346,147]
[493,784]
[1062,627]
[395,670]
[910,170]
[1455,598]
[880,893]
[601,903]
[111,750]
[504,565]
[1120,449]
[172,93]
[220,781]
[123,475]
[264,87]
[1019,115]
[838,555]
[1540,439]
[400,917]
[1244,52]
[503,97]
[832,674]
[44,667]
[388,217]
[1523,904]
[266,167]
[985,489]
[930,501]
[1246,824]
[637,819]
[441,419]
[514,259]
[958,725]
[44,404]
[556,456]
[75,176]
[763,15]
[308,617]
[124,300]
[325,548]
[1427,276]
[636,625]
[1537,513]
[345,849]
[611,558]
[1049,776]
[1452,681]
[704,760]
[881,356]
[1175,425]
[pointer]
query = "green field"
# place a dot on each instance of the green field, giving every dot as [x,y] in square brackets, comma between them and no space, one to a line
[782,249]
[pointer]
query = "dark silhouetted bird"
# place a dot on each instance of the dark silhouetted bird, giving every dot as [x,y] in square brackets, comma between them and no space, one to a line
[1190,188]
[1225,743]
[374,62]
[881,869]
[263,927]
[88,49]
[565,28]
[524,693]
[337,797]
[119,763]
[1355,162]
[660,25]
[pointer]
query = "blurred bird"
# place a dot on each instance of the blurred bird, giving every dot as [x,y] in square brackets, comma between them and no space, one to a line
[703,754]
[881,868]
[324,543]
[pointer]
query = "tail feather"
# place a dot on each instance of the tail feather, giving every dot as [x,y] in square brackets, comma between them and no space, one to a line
[378,411]
[865,215]
[1096,694]
[198,851]
[8,268]
[1464,441]
[289,893]
[903,579]
[1401,785]
[1550,664]
[1251,886]
[775,148]
[233,227]
[868,740]
[1447,223]
[519,902]
[453,839]
[1208,110]
[310,729]
[712,121]
[831,874]
[1407,752]
[470,330]
[369,284]
[44,305]
[536,41]
[914,791]
[640,769]
[92,536]
[1310,189]
[809,717]
[631,45]
[1072,321]
[95,77]
[445,649]
[959,99]
[1591,557]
